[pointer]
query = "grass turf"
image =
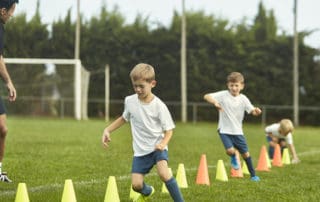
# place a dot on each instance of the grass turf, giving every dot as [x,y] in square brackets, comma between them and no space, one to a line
[43,153]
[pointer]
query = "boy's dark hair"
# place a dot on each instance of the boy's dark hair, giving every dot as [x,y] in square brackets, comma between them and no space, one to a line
[7,3]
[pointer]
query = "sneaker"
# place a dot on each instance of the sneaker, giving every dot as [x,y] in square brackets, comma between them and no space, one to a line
[255,178]
[4,178]
[143,198]
[234,163]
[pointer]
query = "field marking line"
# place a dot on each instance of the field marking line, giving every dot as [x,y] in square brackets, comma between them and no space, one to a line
[105,179]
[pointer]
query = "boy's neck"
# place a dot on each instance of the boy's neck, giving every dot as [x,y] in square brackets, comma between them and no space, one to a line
[147,99]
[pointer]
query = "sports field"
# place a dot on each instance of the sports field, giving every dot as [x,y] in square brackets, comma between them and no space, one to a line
[43,153]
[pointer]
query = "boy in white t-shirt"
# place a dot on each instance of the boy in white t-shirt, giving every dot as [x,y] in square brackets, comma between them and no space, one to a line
[152,128]
[232,106]
[281,133]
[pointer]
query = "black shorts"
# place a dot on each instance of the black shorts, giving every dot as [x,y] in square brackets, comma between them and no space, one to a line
[2,107]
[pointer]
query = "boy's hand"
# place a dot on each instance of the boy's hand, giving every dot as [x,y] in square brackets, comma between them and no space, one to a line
[12,92]
[106,138]
[160,147]
[218,106]
[295,161]
[256,111]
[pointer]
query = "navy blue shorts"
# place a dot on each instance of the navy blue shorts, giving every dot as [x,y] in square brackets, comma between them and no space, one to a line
[237,141]
[2,107]
[143,164]
[280,140]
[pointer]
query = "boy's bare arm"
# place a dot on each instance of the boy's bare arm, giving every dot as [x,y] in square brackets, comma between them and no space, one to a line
[295,158]
[165,141]
[6,78]
[209,99]
[109,129]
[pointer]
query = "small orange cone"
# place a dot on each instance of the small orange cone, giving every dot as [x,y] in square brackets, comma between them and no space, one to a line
[277,160]
[203,174]
[234,172]
[262,163]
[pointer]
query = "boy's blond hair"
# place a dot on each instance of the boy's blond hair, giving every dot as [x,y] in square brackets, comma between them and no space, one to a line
[142,71]
[234,77]
[286,126]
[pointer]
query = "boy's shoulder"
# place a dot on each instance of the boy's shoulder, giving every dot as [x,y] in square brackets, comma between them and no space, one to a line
[131,98]
[274,126]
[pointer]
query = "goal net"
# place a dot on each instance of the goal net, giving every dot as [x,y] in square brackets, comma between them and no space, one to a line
[51,87]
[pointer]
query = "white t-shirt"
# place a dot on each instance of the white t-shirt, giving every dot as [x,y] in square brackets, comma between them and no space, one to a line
[233,111]
[274,130]
[148,122]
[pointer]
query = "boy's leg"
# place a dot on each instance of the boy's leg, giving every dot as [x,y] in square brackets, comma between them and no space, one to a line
[138,184]
[271,147]
[141,166]
[230,150]
[169,180]
[3,134]
[248,160]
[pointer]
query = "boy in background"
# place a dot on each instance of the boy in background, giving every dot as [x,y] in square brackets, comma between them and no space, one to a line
[151,127]
[232,106]
[281,133]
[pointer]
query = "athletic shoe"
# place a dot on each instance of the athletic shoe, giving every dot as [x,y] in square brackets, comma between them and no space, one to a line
[234,163]
[255,178]
[295,161]
[143,198]
[4,178]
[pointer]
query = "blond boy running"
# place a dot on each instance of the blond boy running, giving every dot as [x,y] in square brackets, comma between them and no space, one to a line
[151,128]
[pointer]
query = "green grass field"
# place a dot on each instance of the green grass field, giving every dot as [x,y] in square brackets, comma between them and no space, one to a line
[43,153]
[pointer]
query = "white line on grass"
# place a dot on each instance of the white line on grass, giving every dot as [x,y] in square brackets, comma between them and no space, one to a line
[49,187]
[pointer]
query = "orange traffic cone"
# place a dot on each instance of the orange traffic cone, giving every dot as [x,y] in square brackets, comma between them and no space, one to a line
[234,172]
[203,175]
[262,163]
[277,159]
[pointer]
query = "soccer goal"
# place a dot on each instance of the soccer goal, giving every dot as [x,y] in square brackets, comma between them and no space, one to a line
[32,63]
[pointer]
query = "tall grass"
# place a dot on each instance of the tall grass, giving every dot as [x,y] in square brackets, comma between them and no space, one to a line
[43,153]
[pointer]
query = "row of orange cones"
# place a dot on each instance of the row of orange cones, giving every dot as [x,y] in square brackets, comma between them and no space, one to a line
[264,164]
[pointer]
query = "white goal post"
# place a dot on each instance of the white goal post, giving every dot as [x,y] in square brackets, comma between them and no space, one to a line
[77,75]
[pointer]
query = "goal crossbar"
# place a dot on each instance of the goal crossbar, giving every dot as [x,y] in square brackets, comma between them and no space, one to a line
[77,75]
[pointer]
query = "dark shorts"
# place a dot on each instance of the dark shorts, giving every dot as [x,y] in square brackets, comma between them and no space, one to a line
[143,164]
[2,107]
[237,141]
[280,140]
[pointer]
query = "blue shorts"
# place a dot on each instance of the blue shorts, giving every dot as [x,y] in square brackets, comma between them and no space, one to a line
[280,140]
[2,107]
[143,164]
[237,141]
